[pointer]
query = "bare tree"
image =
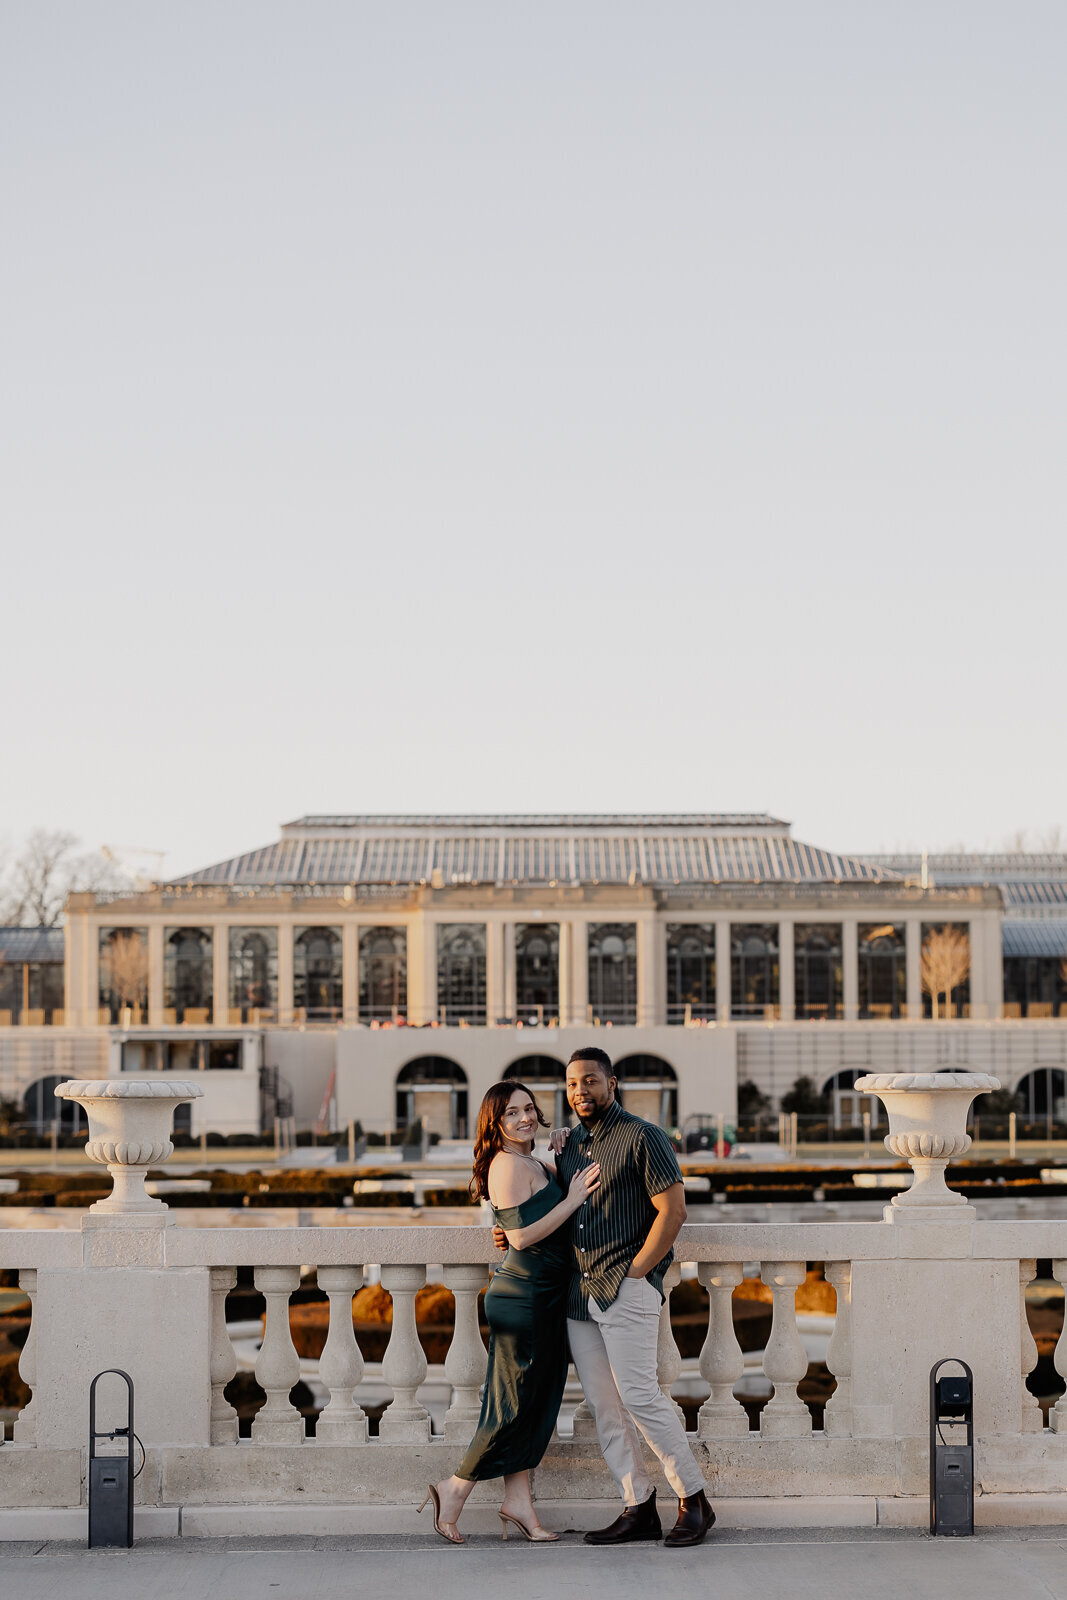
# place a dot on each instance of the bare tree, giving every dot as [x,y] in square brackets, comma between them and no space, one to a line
[51,865]
[945,963]
[124,970]
[1043,841]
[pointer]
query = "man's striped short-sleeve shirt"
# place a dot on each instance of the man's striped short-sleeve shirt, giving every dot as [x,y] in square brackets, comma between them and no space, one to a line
[636,1162]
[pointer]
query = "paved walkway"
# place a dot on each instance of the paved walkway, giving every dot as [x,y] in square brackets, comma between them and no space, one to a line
[819,1564]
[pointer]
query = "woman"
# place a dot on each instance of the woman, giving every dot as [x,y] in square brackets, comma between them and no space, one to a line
[526,1305]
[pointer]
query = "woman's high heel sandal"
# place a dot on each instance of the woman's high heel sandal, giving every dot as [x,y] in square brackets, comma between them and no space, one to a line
[536,1535]
[439,1527]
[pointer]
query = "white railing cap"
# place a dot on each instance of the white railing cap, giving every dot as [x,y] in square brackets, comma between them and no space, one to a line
[926,1080]
[128,1089]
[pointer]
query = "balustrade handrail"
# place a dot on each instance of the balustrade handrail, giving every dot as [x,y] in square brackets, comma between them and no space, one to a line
[63,1249]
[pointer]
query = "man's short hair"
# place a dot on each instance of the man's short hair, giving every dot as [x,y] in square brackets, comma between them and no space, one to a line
[592,1052]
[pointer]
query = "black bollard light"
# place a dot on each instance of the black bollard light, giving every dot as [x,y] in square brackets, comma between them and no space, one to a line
[951,1460]
[111,1477]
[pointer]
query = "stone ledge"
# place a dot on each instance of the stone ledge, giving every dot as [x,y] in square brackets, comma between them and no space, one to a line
[72,1522]
[990,1511]
[311,1520]
[380,1473]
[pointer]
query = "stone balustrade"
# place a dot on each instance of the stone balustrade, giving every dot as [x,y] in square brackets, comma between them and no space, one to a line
[131,1290]
[152,1300]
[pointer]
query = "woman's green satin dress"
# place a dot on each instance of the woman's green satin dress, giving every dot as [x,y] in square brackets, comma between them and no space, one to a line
[526,1306]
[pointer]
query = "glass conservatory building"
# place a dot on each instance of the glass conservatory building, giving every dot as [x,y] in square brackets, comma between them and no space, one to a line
[710,945]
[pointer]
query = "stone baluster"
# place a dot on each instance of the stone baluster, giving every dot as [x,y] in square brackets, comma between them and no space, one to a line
[785,1362]
[721,1362]
[343,1421]
[25,1431]
[466,1358]
[404,1367]
[668,1357]
[278,1365]
[1031,1420]
[1058,1415]
[224,1429]
[837,1420]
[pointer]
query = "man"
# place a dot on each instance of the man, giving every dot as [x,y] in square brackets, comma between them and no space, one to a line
[623,1240]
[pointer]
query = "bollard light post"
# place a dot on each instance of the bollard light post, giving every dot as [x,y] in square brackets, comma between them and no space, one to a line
[951,1460]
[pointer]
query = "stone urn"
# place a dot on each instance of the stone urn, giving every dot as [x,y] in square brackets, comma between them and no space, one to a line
[928,1128]
[129,1131]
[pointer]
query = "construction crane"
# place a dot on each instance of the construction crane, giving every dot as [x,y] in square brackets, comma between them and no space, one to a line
[126,858]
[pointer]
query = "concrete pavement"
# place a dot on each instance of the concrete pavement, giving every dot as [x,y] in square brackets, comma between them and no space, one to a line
[816,1564]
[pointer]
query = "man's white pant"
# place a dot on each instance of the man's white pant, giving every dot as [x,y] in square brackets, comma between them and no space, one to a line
[615,1355]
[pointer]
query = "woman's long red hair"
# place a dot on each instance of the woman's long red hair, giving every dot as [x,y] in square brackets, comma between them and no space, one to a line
[488,1139]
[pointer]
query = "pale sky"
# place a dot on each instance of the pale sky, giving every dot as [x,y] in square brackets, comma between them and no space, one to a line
[548,406]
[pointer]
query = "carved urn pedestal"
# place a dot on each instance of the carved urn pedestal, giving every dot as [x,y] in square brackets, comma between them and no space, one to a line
[928,1128]
[129,1131]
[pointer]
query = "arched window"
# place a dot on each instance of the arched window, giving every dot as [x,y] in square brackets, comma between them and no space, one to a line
[847,1107]
[188,977]
[123,972]
[613,971]
[317,973]
[1041,1094]
[547,1079]
[1035,986]
[537,971]
[754,969]
[461,972]
[648,1088]
[817,969]
[383,974]
[254,973]
[536,1069]
[41,1109]
[946,969]
[883,973]
[690,971]
[433,1090]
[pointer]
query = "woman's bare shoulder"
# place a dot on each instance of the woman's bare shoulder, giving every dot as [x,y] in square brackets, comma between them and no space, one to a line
[509,1179]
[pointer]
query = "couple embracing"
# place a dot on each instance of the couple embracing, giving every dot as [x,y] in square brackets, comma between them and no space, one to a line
[589,1239]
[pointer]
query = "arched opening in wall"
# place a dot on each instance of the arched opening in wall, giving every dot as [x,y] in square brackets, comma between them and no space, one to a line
[1042,1093]
[123,974]
[817,970]
[317,974]
[383,974]
[754,970]
[690,971]
[537,972]
[847,1106]
[41,1109]
[461,972]
[253,974]
[648,1087]
[188,977]
[612,958]
[882,966]
[433,1089]
[545,1077]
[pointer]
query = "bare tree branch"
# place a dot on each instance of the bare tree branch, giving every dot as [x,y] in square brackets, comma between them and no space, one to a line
[50,866]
